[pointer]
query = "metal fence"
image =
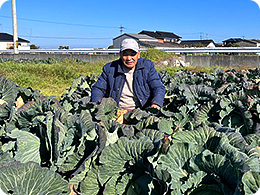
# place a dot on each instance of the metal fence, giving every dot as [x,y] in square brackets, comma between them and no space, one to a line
[255,50]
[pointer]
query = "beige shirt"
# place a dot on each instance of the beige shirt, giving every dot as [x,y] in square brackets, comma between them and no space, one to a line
[128,99]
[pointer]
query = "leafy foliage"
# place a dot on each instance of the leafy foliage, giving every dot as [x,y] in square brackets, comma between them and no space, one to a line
[30,178]
[205,139]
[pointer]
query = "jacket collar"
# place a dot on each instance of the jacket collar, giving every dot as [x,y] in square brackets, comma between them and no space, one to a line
[120,64]
[139,64]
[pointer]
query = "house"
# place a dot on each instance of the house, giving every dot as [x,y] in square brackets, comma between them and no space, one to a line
[239,42]
[257,41]
[163,37]
[142,39]
[199,43]
[6,41]
[149,39]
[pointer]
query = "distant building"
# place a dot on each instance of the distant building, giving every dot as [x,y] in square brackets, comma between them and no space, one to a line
[199,43]
[239,42]
[257,41]
[6,41]
[162,37]
[149,39]
[140,38]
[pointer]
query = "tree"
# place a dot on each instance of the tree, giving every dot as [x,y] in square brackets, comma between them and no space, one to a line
[199,45]
[32,46]
[64,47]
[110,47]
[233,45]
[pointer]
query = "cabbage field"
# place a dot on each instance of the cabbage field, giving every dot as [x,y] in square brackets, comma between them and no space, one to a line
[204,140]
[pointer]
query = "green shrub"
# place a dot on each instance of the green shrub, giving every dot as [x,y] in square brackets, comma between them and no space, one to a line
[156,55]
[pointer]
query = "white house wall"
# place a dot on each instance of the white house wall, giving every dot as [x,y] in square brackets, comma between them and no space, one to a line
[2,46]
[211,45]
[5,45]
[150,40]
[23,44]
[25,47]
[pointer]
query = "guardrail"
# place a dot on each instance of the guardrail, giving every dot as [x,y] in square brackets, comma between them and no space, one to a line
[214,50]
[64,51]
[116,51]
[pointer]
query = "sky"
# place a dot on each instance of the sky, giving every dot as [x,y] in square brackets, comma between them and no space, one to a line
[94,23]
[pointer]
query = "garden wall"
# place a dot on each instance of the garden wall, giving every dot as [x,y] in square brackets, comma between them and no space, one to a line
[42,56]
[250,61]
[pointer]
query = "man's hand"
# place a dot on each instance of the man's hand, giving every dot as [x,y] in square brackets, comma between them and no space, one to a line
[155,106]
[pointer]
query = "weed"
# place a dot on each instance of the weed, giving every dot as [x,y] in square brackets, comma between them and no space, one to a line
[53,76]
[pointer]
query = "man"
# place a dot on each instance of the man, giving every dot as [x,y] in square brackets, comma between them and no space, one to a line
[131,81]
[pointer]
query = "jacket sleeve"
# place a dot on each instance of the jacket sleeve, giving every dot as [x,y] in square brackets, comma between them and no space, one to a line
[99,89]
[157,87]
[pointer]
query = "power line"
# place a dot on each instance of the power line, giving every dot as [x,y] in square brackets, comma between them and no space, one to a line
[72,24]
[218,35]
[63,23]
[50,37]
[195,33]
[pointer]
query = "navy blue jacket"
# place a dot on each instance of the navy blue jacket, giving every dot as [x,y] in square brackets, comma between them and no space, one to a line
[147,84]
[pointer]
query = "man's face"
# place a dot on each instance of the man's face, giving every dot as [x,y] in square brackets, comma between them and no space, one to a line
[129,58]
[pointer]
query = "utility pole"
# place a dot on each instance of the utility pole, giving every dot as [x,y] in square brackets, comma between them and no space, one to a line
[201,35]
[121,29]
[15,34]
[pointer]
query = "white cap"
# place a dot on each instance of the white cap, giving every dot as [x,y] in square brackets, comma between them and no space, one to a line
[129,44]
